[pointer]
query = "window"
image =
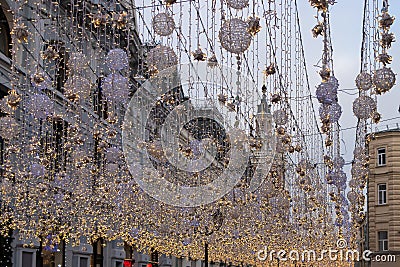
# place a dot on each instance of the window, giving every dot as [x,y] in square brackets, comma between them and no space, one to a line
[383,241]
[27,259]
[381,156]
[83,262]
[5,36]
[382,194]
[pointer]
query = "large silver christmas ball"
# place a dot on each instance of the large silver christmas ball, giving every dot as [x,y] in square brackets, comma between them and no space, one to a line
[331,112]
[384,80]
[77,85]
[280,117]
[363,107]
[237,4]
[364,81]
[327,91]
[116,87]
[161,57]
[338,162]
[9,127]
[40,106]
[117,59]
[163,24]
[234,36]
[77,61]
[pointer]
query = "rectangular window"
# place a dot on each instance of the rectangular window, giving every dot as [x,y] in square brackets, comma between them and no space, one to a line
[83,262]
[27,259]
[382,194]
[381,156]
[383,241]
[118,264]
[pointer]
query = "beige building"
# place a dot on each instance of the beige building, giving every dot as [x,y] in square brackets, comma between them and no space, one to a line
[384,198]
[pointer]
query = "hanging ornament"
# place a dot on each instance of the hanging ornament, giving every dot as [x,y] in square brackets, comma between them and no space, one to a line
[325,74]
[170,2]
[234,36]
[199,55]
[116,87]
[237,4]
[364,81]
[161,57]
[4,107]
[386,21]
[117,59]
[280,117]
[387,39]
[363,107]
[99,20]
[281,130]
[212,61]
[13,99]
[321,5]
[318,30]
[37,170]
[376,117]
[384,58]
[275,98]
[254,26]
[40,81]
[9,127]
[77,86]
[120,20]
[77,61]
[330,112]
[327,92]
[270,70]
[20,33]
[163,24]
[40,106]
[50,53]
[384,79]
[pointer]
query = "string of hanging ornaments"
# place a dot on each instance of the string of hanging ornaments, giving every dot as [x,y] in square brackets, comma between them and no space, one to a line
[113,98]
[330,112]
[375,78]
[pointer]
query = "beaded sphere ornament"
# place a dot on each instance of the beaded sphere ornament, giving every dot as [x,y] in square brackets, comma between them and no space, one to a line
[237,4]
[163,24]
[161,57]
[234,36]
[363,107]
[364,81]
[117,59]
[384,80]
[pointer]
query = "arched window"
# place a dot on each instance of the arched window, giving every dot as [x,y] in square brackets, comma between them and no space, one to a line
[5,36]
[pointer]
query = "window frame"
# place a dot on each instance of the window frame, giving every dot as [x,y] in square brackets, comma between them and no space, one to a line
[383,242]
[381,159]
[380,202]
[6,25]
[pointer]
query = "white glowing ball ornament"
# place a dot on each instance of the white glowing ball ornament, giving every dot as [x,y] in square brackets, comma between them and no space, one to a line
[234,36]
[163,24]
[117,59]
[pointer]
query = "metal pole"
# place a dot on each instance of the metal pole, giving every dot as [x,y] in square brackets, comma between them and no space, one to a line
[63,253]
[39,258]
[205,254]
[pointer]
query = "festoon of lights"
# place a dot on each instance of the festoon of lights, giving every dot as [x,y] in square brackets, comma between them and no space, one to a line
[190,227]
[61,160]
[375,78]
[82,188]
[330,112]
